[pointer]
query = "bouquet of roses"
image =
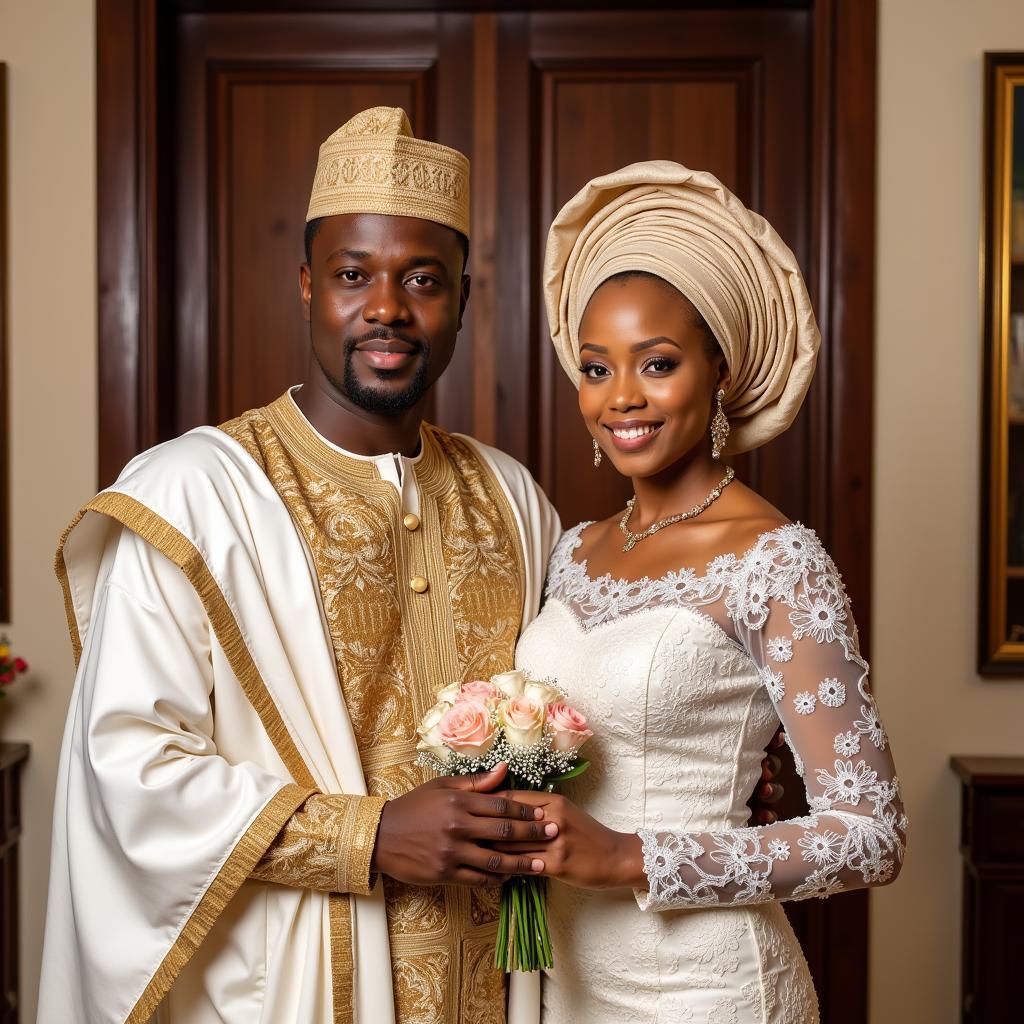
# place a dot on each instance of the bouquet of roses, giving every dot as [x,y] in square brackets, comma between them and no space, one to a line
[527,724]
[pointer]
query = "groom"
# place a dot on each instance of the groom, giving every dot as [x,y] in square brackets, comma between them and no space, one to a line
[261,614]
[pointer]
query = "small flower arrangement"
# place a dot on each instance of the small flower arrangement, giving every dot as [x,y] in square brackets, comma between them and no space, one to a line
[527,724]
[10,668]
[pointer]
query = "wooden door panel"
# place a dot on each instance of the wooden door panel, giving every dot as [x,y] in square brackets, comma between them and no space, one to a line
[593,122]
[268,127]
[704,88]
[257,96]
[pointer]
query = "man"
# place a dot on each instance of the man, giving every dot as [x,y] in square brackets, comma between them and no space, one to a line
[262,613]
[204,859]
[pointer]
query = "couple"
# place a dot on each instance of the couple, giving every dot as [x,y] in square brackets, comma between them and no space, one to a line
[261,613]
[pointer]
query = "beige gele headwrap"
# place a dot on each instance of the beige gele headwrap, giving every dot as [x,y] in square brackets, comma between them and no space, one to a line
[374,164]
[686,227]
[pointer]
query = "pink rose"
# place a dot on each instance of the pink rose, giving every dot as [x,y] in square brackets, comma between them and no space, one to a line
[567,726]
[467,728]
[480,689]
[523,719]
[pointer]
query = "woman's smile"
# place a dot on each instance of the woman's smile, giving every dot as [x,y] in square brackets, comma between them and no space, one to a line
[632,435]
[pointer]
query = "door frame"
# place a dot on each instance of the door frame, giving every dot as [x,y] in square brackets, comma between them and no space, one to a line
[131,221]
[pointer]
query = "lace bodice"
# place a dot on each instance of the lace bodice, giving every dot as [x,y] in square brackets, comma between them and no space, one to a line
[703,665]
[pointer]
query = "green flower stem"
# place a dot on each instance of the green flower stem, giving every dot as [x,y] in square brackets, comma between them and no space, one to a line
[524,938]
[531,919]
[501,942]
[523,930]
[543,933]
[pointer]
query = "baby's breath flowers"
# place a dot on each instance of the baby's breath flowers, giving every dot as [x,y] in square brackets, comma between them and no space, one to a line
[526,724]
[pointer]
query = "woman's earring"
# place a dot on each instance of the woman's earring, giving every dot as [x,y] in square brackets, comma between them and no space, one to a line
[597,453]
[719,429]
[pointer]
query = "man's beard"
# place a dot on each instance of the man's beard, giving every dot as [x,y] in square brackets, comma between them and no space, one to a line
[377,400]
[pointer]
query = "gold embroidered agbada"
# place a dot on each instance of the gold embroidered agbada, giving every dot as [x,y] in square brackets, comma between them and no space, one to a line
[254,657]
[455,525]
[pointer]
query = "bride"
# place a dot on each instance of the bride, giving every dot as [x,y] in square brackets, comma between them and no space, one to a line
[688,625]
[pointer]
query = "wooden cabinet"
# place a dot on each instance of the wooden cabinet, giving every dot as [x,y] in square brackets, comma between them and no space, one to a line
[12,757]
[992,843]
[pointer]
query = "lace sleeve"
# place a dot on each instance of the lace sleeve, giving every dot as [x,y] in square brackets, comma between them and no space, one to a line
[790,610]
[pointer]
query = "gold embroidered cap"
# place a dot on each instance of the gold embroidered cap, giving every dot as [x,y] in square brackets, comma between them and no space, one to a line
[374,164]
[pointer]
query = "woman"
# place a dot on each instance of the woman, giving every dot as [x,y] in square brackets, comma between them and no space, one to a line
[689,625]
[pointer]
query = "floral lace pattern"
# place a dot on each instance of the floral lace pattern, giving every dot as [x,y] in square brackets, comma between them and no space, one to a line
[784,603]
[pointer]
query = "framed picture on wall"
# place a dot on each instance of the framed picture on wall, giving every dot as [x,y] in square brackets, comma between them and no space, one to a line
[1001,611]
[5,433]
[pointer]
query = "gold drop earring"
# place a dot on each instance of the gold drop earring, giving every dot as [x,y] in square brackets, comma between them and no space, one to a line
[597,453]
[719,428]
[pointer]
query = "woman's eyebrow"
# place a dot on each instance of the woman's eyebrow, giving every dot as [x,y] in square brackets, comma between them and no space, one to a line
[637,347]
[651,342]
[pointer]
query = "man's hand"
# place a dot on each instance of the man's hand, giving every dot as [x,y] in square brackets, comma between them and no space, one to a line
[767,791]
[436,833]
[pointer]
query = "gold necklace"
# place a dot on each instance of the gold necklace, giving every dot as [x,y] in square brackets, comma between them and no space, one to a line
[632,539]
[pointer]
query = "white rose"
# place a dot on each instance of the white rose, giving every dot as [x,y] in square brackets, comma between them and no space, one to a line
[511,684]
[429,732]
[542,693]
[523,720]
[450,694]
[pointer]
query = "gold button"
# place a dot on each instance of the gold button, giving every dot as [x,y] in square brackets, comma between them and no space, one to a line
[419,584]
[411,522]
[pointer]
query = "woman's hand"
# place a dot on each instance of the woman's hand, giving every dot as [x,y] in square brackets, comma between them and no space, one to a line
[584,853]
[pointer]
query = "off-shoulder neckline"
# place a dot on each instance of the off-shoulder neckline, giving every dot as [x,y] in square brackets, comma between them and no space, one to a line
[714,566]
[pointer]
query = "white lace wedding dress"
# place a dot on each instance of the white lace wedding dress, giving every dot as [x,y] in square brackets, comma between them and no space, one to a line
[683,679]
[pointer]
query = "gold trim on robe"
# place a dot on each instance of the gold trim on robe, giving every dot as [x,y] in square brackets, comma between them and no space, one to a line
[228,880]
[176,547]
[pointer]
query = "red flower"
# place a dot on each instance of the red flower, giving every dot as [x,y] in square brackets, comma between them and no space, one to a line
[20,665]
[7,677]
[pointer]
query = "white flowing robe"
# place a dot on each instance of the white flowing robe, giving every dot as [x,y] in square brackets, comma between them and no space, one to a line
[205,710]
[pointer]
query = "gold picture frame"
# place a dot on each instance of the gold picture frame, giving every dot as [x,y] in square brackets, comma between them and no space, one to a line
[1001,606]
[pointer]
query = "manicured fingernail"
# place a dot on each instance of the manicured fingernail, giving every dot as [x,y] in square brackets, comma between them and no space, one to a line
[551,829]
[537,865]
[538,813]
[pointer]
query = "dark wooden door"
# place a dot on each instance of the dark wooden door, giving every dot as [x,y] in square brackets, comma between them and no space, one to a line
[713,90]
[209,122]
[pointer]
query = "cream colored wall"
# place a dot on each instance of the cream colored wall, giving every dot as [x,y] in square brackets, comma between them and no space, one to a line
[927,478]
[52,386]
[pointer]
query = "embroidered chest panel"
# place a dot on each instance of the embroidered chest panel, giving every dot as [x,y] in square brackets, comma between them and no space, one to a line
[395,647]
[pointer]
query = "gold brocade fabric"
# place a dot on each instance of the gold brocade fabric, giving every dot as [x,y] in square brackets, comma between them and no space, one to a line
[395,648]
[305,852]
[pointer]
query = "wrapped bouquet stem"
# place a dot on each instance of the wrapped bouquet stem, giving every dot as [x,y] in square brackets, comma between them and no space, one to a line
[527,725]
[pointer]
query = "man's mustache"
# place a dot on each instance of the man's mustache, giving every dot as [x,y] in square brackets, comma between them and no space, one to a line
[385,334]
